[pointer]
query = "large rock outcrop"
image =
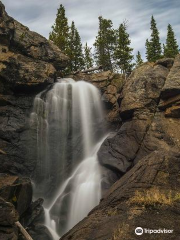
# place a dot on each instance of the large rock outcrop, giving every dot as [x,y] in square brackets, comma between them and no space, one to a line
[138,104]
[145,153]
[27,59]
[28,64]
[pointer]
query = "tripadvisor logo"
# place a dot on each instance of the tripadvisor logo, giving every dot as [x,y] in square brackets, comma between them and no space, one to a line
[140,231]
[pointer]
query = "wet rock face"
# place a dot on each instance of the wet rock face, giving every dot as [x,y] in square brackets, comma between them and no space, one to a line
[144,154]
[110,86]
[16,139]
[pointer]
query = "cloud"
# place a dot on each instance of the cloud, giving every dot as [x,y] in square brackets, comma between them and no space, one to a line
[39,16]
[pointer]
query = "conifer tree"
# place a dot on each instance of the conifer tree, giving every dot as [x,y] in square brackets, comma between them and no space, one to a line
[88,60]
[153,46]
[123,52]
[75,49]
[171,48]
[60,30]
[104,44]
[139,60]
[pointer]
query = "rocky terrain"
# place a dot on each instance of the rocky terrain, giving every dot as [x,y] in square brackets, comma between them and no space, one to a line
[145,153]
[140,158]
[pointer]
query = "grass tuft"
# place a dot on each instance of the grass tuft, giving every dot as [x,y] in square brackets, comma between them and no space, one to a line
[154,196]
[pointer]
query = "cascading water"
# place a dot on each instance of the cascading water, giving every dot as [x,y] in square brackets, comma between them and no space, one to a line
[68,120]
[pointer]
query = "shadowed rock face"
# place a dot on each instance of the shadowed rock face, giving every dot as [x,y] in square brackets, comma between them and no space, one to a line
[145,155]
[16,190]
[172,86]
[8,216]
[16,205]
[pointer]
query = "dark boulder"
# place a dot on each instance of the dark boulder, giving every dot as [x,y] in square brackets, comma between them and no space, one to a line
[17,191]
[40,232]
[117,153]
[8,214]
[8,217]
[165,62]
[16,204]
[34,214]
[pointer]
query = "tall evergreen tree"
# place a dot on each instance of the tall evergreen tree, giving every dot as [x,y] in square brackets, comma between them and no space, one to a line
[171,48]
[88,60]
[104,44]
[75,49]
[153,46]
[60,30]
[139,60]
[123,52]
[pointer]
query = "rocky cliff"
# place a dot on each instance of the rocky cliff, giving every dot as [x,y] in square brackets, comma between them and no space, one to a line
[28,64]
[141,155]
[145,153]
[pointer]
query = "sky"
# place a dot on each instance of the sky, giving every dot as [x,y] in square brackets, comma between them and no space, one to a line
[39,16]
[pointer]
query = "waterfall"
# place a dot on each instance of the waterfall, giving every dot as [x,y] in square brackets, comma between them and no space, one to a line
[68,121]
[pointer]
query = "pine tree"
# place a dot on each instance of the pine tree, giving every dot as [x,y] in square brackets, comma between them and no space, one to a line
[171,48]
[60,30]
[153,46]
[123,52]
[88,60]
[139,60]
[104,44]
[75,50]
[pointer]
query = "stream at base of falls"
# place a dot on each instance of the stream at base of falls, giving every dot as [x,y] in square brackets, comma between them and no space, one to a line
[68,123]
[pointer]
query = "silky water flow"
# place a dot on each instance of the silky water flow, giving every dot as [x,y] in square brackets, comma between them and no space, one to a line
[68,124]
